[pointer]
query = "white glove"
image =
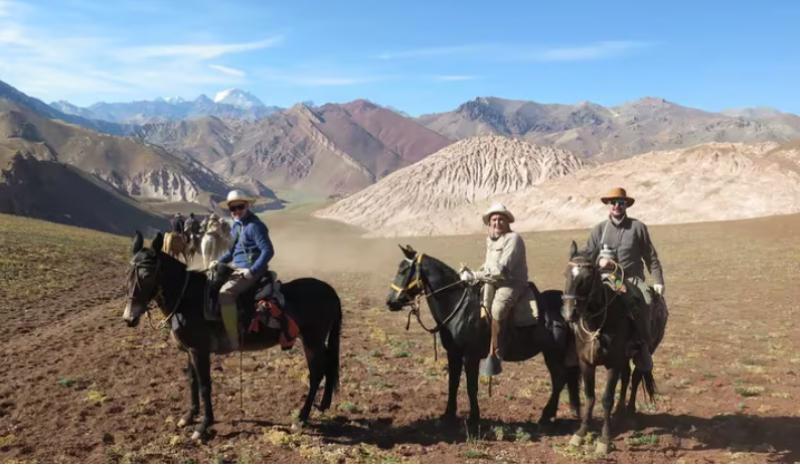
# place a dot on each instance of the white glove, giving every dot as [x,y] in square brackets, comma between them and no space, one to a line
[213,265]
[244,273]
[659,288]
[468,276]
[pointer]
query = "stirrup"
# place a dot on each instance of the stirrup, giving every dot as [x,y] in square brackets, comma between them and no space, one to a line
[491,366]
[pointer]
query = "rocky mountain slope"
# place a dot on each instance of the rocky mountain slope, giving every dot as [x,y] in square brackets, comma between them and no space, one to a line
[613,133]
[136,168]
[11,94]
[61,193]
[327,150]
[466,172]
[708,182]
[232,103]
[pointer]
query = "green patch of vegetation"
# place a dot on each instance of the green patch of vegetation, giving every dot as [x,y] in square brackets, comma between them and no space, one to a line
[749,392]
[639,439]
[66,382]
[400,353]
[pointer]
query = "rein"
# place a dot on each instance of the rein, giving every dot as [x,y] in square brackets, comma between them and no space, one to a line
[593,335]
[159,293]
[415,304]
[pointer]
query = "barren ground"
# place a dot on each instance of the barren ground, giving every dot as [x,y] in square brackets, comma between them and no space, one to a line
[78,386]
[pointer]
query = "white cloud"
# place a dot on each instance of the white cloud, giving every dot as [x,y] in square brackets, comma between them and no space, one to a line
[434,52]
[7,7]
[199,52]
[228,71]
[594,51]
[52,64]
[454,78]
[303,78]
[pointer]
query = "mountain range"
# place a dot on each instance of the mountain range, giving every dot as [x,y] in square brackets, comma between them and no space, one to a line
[171,152]
[231,103]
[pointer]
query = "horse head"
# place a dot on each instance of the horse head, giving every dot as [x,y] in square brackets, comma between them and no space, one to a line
[407,284]
[145,267]
[581,275]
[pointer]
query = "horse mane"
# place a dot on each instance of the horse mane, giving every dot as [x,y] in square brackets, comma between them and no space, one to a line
[446,270]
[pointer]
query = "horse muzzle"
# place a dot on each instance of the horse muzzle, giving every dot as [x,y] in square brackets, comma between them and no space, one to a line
[130,317]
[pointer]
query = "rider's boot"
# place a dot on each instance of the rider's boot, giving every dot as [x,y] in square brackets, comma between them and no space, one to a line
[230,320]
[492,366]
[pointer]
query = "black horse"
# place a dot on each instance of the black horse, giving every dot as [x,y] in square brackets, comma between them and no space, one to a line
[180,294]
[603,333]
[466,336]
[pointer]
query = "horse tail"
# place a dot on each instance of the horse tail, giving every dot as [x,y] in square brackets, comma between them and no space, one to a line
[167,248]
[332,355]
[650,389]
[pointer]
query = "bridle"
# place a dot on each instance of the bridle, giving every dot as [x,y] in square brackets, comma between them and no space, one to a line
[158,296]
[416,264]
[593,335]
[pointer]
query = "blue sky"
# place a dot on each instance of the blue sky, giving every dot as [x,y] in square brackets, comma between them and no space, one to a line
[418,56]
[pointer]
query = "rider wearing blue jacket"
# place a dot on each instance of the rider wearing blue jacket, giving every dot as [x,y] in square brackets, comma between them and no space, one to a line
[251,253]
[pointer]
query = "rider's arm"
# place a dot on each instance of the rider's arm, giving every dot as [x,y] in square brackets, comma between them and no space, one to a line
[512,246]
[650,255]
[261,238]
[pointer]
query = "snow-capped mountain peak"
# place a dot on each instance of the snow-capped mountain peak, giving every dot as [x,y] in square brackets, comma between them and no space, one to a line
[237,98]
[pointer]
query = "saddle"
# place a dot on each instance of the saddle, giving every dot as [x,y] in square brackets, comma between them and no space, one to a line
[256,306]
[525,312]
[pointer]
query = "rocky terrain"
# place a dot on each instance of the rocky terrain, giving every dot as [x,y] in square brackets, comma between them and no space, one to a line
[611,133]
[326,150]
[710,182]
[469,171]
[57,192]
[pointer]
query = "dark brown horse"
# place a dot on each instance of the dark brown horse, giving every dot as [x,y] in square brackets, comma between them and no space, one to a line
[455,306]
[603,332]
[181,294]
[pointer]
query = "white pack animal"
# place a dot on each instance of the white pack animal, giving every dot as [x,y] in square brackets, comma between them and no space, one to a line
[216,240]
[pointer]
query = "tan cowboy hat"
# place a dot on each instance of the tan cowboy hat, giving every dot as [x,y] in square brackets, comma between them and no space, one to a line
[237,195]
[497,209]
[617,193]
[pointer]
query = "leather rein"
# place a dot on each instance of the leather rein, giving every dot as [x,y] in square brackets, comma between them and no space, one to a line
[415,303]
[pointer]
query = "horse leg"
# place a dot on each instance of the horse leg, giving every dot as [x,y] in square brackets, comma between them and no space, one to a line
[558,379]
[454,366]
[315,358]
[201,360]
[637,379]
[588,391]
[574,390]
[195,408]
[472,365]
[625,377]
[612,378]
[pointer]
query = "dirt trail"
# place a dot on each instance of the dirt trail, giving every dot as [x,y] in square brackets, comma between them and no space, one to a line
[78,386]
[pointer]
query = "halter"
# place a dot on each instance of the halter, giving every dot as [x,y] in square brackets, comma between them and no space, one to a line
[159,295]
[414,304]
[593,335]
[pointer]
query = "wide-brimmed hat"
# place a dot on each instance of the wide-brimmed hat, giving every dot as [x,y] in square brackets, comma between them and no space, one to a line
[498,209]
[237,195]
[617,193]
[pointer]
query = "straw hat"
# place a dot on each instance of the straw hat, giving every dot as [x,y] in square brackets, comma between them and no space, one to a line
[617,193]
[237,195]
[497,209]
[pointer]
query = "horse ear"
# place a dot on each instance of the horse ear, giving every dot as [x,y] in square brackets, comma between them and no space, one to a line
[573,250]
[138,243]
[158,242]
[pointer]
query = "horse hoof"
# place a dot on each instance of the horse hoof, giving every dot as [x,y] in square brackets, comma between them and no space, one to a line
[576,440]
[602,448]
[299,425]
[196,435]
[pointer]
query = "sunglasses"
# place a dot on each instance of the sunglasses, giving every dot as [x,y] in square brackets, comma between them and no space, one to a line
[618,202]
[236,207]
